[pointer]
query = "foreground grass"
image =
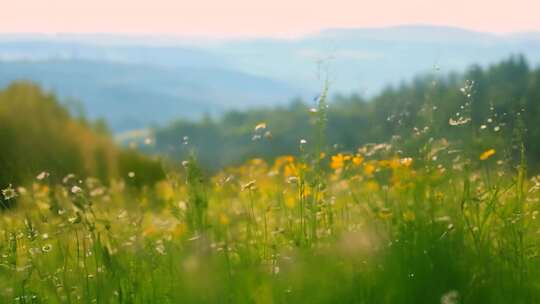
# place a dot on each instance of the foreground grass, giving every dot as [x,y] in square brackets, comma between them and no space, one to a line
[374,228]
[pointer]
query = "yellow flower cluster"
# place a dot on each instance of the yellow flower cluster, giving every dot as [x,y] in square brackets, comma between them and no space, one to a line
[340,160]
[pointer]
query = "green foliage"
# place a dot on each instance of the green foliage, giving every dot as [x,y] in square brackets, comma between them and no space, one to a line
[37,134]
[497,94]
[408,231]
[197,197]
[145,170]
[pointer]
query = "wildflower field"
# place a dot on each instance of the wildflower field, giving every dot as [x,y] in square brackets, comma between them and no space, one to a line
[443,223]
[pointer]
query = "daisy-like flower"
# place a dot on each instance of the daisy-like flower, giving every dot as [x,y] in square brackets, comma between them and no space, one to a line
[76,189]
[9,193]
[43,175]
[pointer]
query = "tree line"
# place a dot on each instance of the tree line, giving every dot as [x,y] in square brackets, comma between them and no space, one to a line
[38,134]
[479,107]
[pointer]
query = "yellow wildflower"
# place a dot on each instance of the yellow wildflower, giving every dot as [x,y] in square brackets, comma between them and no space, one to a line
[487,154]
[357,160]
[290,202]
[369,169]
[282,160]
[395,163]
[224,219]
[290,170]
[337,161]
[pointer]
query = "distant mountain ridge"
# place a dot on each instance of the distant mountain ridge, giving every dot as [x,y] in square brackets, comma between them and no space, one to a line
[135,81]
[410,33]
[134,95]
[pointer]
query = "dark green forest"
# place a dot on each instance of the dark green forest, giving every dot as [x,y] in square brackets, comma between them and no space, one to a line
[476,108]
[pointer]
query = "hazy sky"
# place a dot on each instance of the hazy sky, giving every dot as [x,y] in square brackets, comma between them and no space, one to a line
[252,17]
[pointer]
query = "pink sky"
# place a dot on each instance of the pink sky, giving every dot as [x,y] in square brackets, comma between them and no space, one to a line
[252,17]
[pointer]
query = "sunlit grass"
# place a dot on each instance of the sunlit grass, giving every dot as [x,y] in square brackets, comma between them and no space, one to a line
[445,224]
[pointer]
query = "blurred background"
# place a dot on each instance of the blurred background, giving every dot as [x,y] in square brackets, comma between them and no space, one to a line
[89,86]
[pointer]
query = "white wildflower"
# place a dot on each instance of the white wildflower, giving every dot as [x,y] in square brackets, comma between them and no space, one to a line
[43,175]
[9,193]
[76,189]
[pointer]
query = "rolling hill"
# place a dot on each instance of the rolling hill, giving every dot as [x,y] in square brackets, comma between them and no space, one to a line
[135,82]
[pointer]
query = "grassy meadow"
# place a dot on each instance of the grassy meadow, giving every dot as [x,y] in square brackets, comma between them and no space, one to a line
[443,221]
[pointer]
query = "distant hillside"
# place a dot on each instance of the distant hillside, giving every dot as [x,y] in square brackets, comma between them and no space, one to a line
[130,96]
[489,109]
[37,134]
[137,81]
[366,60]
